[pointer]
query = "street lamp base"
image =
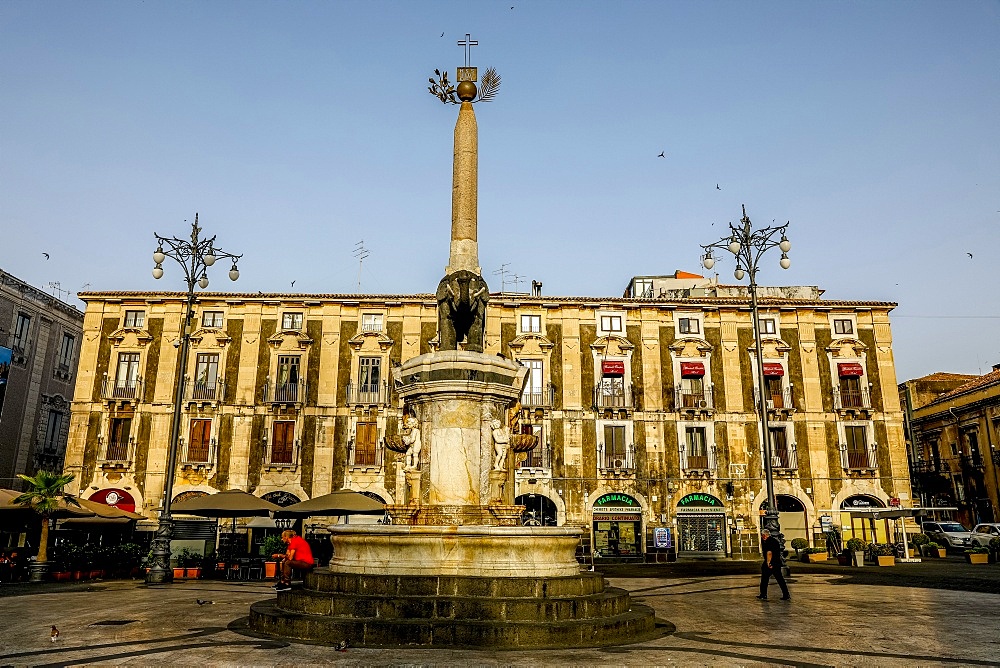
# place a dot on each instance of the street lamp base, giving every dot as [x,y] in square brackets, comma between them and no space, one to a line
[39,572]
[159,575]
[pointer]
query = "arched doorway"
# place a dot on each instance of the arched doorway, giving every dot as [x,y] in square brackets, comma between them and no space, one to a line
[791,516]
[701,526]
[863,523]
[617,526]
[539,510]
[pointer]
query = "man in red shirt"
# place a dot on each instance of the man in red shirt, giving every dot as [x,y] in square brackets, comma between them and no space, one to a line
[298,555]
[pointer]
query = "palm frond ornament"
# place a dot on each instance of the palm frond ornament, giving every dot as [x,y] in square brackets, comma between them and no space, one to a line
[489,85]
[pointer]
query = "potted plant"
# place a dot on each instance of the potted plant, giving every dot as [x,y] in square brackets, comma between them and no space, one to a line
[919,541]
[883,553]
[932,549]
[856,547]
[813,555]
[272,545]
[995,548]
[977,555]
[45,495]
[799,544]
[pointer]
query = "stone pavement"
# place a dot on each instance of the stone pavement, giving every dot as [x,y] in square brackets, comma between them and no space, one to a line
[707,620]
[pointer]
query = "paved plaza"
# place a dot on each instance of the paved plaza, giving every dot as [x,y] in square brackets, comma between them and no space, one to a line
[706,620]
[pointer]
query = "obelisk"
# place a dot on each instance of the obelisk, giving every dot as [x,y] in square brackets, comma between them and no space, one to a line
[464,252]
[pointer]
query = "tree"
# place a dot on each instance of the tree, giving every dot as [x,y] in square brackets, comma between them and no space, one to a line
[45,495]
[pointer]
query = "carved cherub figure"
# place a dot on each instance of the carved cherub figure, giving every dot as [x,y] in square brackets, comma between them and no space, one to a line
[501,442]
[411,439]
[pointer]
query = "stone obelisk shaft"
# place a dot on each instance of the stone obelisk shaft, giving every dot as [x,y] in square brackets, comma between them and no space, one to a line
[465,194]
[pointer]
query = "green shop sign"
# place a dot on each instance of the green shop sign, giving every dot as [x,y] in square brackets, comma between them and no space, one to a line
[702,500]
[615,499]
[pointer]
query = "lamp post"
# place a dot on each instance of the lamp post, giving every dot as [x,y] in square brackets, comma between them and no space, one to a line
[195,256]
[748,246]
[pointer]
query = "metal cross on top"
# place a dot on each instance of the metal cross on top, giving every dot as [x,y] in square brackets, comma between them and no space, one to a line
[468,43]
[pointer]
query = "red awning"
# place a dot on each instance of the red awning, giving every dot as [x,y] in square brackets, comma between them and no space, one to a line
[116,498]
[773,369]
[850,369]
[613,368]
[692,369]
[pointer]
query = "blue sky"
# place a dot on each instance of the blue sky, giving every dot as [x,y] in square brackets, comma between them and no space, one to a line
[297,129]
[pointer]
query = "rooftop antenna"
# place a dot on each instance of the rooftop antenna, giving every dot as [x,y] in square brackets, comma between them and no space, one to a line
[502,273]
[361,253]
[56,287]
[517,280]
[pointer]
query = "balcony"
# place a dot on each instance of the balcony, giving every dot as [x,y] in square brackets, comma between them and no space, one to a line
[285,393]
[613,398]
[48,461]
[858,460]
[696,465]
[121,389]
[539,397]
[784,460]
[376,394]
[850,400]
[617,460]
[539,457]
[926,467]
[775,402]
[974,461]
[200,456]
[116,453]
[365,455]
[201,391]
[285,456]
[691,400]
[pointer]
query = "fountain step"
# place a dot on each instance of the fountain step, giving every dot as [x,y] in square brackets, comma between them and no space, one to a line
[608,603]
[454,585]
[634,625]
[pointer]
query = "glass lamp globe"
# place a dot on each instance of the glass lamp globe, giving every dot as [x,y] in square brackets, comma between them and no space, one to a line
[734,246]
[739,274]
[234,273]
[785,245]
[785,262]
[158,256]
[208,259]
[708,262]
[203,281]
[157,272]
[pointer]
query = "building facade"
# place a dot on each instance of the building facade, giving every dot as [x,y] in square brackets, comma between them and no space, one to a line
[40,339]
[644,407]
[954,434]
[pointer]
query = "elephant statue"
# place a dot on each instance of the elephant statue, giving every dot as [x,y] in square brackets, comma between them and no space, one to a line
[461,298]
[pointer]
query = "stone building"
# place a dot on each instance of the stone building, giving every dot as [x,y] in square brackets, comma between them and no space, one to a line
[40,340]
[644,405]
[953,430]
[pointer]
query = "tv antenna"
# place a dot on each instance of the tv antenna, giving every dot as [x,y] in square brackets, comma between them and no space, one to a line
[502,273]
[56,287]
[361,253]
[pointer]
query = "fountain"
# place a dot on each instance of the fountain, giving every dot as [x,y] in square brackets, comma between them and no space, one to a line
[456,568]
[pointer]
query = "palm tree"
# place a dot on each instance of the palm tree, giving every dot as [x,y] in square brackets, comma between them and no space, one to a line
[45,495]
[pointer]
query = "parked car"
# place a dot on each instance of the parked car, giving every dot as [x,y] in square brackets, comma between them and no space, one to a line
[951,535]
[983,533]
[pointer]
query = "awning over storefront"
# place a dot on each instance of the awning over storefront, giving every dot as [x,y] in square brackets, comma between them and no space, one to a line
[692,369]
[850,369]
[773,369]
[613,368]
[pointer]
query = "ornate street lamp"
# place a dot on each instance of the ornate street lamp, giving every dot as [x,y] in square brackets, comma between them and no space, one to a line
[748,245]
[195,256]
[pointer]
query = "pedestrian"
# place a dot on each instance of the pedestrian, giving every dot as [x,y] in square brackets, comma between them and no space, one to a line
[298,555]
[771,549]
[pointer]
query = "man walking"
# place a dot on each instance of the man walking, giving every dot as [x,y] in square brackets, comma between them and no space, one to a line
[771,566]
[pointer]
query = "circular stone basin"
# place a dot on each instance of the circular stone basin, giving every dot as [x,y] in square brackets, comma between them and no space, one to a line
[455,550]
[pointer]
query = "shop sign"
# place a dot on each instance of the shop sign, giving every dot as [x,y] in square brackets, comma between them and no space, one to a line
[861,502]
[662,538]
[894,502]
[699,500]
[116,498]
[613,368]
[850,369]
[619,517]
[692,369]
[617,499]
[773,369]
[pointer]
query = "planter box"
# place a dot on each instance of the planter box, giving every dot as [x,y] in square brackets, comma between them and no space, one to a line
[859,558]
[61,576]
[980,558]
[886,561]
[270,569]
[816,557]
[192,573]
[844,559]
[178,573]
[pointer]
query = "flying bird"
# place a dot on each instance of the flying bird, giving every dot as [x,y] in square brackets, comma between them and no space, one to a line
[717,187]
[201,601]
[55,634]
[293,284]
[46,255]
[442,34]
[970,255]
[661,155]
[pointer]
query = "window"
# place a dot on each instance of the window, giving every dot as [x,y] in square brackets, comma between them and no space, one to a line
[365,444]
[537,456]
[780,454]
[615,453]
[127,376]
[199,441]
[53,431]
[857,447]
[643,288]
[689,326]
[371,322]
[134,319]
[767,326]
[291,321]
[611,323]
[534,392]
[531,323]
[118,439]
[369,379]
[206,376]
[696,448]
[66,351]
[611,392]
[212,319]
[693,392]
[843,326]
[21,331]
[775,392]
[283,442]
[287,385]
[851,395]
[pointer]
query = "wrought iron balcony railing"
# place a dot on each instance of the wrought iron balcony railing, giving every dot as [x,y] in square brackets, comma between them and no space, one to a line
[855,459]
[846,399]
[375,394]
[700,462]
[283,455]
[285,393]
[616,459]
[117,451]
[775,402]
[613,397]
[201,454]
[202,391]
[539,397]
[693,400]
[122,388]
[539,457]
[365,454]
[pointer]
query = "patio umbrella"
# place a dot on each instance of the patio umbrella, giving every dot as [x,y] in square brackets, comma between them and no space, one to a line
[341,502]
[231,503]
[65,509]
[106,512]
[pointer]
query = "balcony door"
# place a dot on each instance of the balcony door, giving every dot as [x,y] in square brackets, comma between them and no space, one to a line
[206,375]
[365,444]
[283,442]
[127,375]
[201,432]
